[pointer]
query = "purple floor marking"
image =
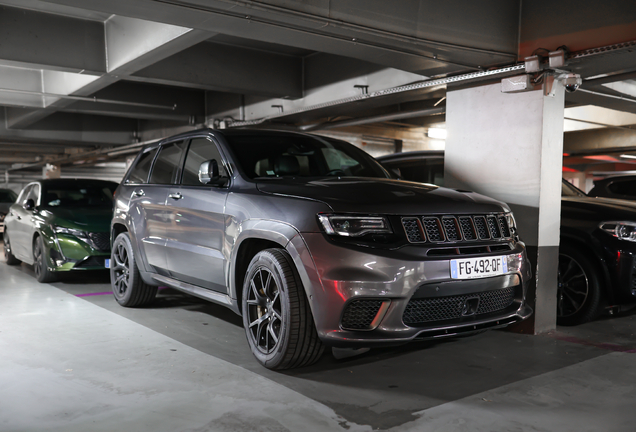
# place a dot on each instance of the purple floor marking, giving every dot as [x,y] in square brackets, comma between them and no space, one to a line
[601,345]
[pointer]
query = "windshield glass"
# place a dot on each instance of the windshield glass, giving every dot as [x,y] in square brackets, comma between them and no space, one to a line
[567,189]
[78,195]
[7,196]
[301,156]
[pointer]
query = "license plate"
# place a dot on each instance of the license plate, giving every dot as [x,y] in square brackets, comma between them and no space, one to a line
[471,268]
[107,263]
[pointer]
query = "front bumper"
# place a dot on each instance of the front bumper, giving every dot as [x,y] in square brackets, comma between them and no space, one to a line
[67,253]
[391,282]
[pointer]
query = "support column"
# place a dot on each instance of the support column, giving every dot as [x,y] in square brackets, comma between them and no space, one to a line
[509,146]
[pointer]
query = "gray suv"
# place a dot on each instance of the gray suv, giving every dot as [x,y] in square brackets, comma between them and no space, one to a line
[311,241]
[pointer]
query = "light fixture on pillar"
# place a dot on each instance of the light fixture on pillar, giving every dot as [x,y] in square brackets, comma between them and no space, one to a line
[436,133]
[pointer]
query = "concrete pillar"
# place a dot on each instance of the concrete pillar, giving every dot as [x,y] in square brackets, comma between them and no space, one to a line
[509,146]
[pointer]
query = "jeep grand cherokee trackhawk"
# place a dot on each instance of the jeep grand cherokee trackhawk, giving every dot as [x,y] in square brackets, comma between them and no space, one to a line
[311,241]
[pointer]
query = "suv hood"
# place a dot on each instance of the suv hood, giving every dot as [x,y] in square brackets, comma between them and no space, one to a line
[382,196]
[601,208]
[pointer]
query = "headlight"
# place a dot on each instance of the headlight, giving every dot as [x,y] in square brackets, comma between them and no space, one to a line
[621,230]
[511,223]
[354,226]
[74,232]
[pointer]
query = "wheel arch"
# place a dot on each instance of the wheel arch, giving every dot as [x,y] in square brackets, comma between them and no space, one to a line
[585,246]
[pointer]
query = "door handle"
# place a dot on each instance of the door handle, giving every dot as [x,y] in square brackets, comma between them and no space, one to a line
[18,217]
[176,196]
[139,192]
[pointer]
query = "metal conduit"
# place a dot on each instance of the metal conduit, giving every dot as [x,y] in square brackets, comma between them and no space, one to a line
[375,119]
[89,99]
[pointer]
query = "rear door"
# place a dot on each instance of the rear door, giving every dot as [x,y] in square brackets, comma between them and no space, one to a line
[196,233]
[148,201]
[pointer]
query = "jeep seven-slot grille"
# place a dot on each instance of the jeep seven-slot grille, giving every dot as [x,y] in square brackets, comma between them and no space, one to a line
[359,314]
[425,310]
[453,229]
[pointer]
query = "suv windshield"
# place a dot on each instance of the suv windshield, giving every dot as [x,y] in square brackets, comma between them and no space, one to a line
[567,189]
[79,195]
[301,156]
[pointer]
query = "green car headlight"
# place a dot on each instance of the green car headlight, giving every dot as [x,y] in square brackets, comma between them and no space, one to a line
[74,232]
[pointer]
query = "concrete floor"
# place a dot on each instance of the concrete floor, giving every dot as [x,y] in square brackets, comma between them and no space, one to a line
[72,359]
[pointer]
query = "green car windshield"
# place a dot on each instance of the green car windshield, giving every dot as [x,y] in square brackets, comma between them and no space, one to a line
[80,195]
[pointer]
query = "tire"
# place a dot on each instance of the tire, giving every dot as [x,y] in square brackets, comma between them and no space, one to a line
[40,262]
[579,288]
[277,318]
[11,259]
[128,287]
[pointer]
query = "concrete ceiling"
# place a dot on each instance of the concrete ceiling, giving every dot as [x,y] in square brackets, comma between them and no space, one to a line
[85,75]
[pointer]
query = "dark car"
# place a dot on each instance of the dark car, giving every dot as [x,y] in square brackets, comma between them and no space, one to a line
[60,225]
[619,187]
[597,266]
[7,198]
[312,242]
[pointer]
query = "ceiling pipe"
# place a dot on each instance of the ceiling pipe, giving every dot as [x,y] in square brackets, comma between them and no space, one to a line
[89,99]
[375,119]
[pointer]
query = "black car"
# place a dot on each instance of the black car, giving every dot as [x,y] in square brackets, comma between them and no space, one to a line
[597,266]
[620,187]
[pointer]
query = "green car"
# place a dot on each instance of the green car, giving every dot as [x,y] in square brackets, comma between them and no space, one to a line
[60,225]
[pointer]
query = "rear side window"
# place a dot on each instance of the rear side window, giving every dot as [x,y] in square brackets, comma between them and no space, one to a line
[139,173]
[623,188]
[167,164]
[201,150]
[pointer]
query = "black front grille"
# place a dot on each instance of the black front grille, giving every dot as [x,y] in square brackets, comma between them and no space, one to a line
[453,229]
[413,230]
[99,241]
[433,229]
[425,310]
[359,314]
[450,228]
[493,226]
[92,261]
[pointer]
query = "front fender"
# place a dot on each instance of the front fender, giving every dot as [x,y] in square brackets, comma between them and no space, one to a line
[274,231]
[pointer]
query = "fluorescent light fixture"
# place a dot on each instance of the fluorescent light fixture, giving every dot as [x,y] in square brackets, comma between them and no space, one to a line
[628,156]
[437,133]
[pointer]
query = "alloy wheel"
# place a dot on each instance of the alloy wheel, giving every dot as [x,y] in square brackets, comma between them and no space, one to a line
[7,246]
[264,311]
[38,254]
[573,287]
[121,269]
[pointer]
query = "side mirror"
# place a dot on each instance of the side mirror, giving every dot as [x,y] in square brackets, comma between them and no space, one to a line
[29,204]
[209,172]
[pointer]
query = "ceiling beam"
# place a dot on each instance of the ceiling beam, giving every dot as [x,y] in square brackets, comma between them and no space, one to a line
[221,67]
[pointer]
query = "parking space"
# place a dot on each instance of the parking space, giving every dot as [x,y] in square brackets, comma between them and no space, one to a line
[383,388]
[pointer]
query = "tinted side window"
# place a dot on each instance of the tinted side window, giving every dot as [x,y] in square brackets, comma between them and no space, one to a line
[24,194]
[34,194]
[139,173]
[623,188]
[201,150]
[167,163]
